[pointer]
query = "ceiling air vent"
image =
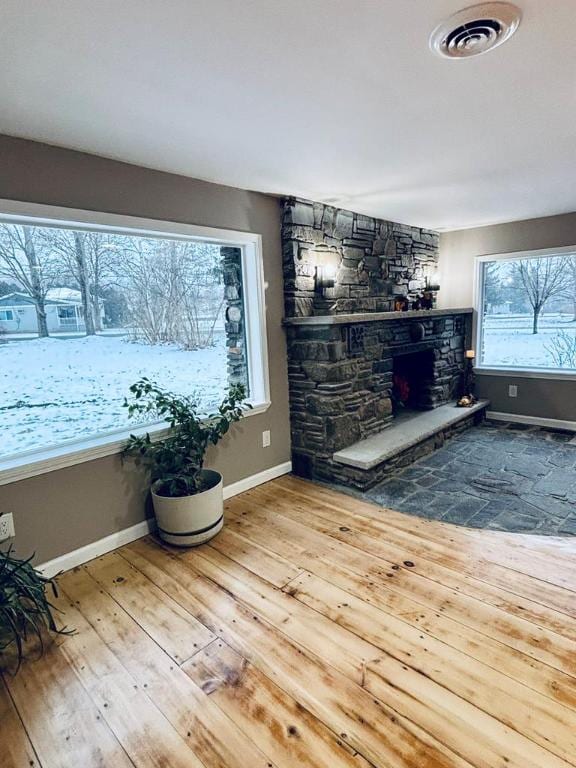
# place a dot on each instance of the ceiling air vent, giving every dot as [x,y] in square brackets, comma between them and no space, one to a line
[475,30]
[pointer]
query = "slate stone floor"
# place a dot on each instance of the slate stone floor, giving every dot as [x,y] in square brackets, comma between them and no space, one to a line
[504,477]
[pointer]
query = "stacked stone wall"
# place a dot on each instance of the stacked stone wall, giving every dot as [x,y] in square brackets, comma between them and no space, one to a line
[374,260]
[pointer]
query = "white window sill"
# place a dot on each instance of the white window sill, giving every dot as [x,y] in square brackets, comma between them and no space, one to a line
[526,373]
[34,463]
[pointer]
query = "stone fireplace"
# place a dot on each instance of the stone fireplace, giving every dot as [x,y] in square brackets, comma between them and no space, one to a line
[354,364]
[342,372]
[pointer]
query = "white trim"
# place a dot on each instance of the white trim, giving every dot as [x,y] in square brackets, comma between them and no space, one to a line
[69,453]
[95,549]
[515,373]
[253,480]
[109,543]
[254,294]
[535,254]
[16,212]
[537,421]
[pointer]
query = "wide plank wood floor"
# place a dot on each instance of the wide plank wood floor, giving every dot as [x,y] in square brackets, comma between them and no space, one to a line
[315,630]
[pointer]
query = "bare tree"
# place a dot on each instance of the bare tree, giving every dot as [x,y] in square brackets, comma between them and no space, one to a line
[173,289]
[101,252]
[23,259]
[7,287]
[83,278]
[492,283]
[70,248]
[542,279]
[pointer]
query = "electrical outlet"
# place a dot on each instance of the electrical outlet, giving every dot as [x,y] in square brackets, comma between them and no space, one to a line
[7,526]
[266,438]
[512,390]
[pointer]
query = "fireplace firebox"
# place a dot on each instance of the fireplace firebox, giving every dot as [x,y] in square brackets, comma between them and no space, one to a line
[413,381]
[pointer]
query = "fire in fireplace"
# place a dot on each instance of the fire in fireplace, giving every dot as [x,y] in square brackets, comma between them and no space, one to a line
[413,379]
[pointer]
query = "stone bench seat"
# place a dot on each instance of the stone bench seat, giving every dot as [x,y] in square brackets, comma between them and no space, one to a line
[405,433]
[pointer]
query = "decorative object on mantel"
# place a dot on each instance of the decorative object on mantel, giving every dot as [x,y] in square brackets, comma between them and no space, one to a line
[427,301]
[468,398]
[401,304]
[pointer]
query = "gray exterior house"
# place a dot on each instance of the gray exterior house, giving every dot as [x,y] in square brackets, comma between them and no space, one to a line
[18,314]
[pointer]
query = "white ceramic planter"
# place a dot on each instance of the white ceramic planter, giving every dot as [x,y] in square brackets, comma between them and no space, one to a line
[187,521]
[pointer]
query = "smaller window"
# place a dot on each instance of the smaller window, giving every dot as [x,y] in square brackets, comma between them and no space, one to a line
[6,314]
[527,313]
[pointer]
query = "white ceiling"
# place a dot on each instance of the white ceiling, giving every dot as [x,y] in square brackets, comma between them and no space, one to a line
[336,100]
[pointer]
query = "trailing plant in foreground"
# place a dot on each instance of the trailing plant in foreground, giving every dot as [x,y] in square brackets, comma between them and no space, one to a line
[25,611]
[176,461]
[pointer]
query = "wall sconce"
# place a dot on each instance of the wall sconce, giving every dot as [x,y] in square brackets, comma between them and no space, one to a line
[433,280]
[325,276]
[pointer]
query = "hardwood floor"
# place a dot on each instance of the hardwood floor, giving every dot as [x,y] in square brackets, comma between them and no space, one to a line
[315,630]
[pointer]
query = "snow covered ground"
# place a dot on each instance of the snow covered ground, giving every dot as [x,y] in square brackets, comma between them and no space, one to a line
[508,339]
[52,390]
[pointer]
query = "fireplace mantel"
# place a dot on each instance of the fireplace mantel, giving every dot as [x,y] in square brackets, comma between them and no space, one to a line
[368,317]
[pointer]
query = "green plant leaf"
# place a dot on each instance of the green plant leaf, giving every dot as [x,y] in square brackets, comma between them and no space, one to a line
[24,607]
[177,460]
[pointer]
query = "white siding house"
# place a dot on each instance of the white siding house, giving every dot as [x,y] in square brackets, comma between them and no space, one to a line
[18,314]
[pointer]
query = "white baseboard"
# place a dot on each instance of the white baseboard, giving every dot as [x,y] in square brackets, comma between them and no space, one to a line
[101,547]
[536,421]
[97,548]
[253,480]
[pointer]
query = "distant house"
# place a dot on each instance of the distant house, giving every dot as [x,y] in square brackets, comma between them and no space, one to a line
[64,312]
[505,308]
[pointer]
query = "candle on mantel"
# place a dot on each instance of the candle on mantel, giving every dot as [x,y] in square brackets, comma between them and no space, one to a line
[470,354]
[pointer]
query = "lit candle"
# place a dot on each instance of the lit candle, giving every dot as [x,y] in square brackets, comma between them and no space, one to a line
[470,354]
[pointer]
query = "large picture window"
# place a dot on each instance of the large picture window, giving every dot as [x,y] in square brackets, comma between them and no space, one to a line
[88,309]
[527,313]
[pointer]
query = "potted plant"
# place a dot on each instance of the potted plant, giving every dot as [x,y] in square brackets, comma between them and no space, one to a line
[25,611]
[188,499]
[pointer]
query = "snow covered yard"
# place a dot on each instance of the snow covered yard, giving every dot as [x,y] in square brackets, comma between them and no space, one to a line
[508,339]
[53,390]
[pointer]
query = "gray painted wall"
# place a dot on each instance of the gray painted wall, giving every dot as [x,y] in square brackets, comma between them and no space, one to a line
[63,510]
[546,398]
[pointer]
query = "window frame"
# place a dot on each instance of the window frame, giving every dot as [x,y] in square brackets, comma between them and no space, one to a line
[7,310]
[511,371]
[72,452]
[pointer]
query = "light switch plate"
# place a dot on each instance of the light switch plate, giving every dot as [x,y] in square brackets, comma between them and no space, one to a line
[512,390]
[266,438]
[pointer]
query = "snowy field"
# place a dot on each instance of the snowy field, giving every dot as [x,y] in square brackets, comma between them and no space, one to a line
[508,339]
[53,390]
